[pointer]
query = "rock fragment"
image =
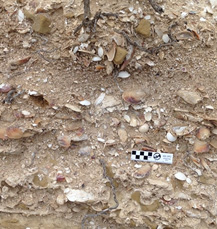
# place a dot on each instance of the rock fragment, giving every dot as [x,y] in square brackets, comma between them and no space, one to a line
[120,55]
[75,195]
[41,24]
[144,28]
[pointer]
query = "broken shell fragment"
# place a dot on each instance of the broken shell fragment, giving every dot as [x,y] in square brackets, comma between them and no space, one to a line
[184,35]
[111,53]
[75,195]
[142,172]
[122,135]
[100,99]
[203,133]
[60,178]
[96,58]
[85,103]
[73,107]
[4,88]
[20,62]
[201,146]
[109,67]
[133,96]
[180,176]
[100,51]
[170,137]
[64,141]
[123,74]
[14,133]
[189,96]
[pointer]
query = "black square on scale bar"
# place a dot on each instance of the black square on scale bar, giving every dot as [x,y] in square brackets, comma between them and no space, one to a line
[145,157]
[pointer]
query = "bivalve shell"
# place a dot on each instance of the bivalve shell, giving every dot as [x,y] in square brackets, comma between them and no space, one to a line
[100,52]
[123,74]
[170,137]
[201,146]
[180,176]
[144,128]
[148,116]
[203,133]
[133,96]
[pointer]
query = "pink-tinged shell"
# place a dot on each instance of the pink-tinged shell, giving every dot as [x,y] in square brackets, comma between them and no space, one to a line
[133,96]
[64,141]
[20,62]
[201,147]
[4,88]
[203,133]
[60,178]
[14,132]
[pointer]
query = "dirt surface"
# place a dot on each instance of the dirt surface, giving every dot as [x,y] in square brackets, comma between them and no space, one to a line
[61,161]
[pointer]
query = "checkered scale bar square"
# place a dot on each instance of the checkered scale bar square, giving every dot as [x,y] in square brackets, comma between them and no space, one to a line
[146,156]
[140,155]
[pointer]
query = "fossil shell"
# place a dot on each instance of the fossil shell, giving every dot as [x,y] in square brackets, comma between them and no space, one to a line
[64,141]
[203,133]
[122,133]
[170,137]
[189,96]
[133,96]
[123,74]
[144,128]
[14,133]
[201,146]
[180,176]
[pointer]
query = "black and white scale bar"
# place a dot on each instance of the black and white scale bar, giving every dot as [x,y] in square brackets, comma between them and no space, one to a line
[147,156]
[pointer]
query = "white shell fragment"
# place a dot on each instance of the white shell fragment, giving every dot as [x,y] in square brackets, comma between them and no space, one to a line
[179,130]
[73,107]
[20,15]
[180,176]
[81,196]
[123,74]
[85,103]
[165,38]
[100,99]
[170,137]
[184,14]
[25,113]
[96,58]
[100,52]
